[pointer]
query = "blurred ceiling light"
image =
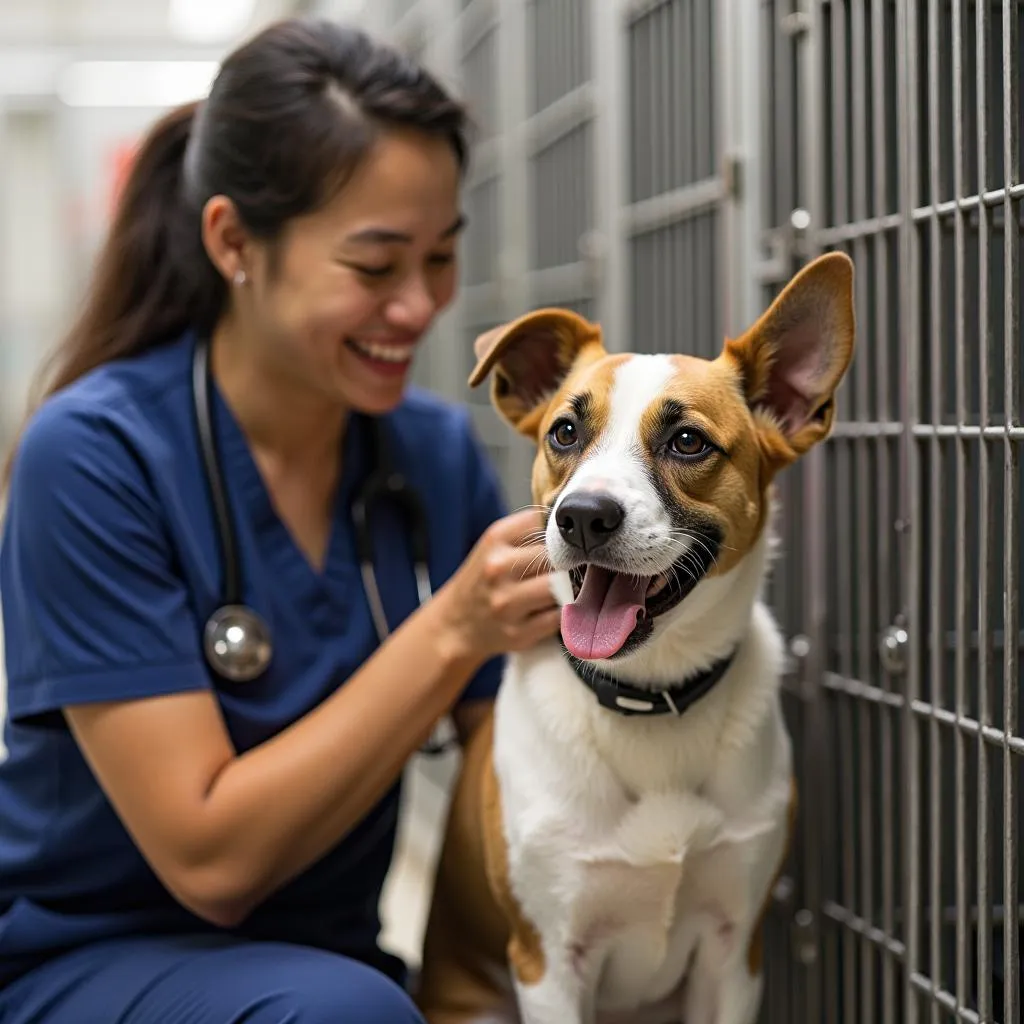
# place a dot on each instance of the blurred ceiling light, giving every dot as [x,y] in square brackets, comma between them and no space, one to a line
[347,9]
[136,83]
[209,21]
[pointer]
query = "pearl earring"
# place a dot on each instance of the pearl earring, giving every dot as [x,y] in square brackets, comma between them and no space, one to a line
[239,278]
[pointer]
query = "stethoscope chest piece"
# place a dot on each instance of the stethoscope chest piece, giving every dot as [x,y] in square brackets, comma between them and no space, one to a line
[237,643]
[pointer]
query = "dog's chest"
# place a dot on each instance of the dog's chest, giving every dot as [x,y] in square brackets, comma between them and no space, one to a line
[626,893]
[546,712]
[658,755]
[614,853]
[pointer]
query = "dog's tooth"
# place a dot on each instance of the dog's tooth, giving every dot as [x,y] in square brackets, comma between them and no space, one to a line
[657,585]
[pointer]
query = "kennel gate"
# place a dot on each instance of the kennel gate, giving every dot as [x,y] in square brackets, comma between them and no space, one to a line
[912,141]
[614,176]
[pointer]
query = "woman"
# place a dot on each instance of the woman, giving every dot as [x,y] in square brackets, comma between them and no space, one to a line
[176,846]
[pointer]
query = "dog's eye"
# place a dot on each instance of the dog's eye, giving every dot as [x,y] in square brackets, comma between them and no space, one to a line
[689,443]
[564,434]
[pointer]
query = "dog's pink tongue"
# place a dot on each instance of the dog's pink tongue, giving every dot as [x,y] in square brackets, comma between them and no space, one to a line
[598,622]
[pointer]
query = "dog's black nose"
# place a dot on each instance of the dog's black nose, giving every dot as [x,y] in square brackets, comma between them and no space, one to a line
[587,520]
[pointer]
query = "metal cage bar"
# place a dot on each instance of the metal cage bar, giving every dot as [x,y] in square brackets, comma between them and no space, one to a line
[933,455]
[1012,764]
[886,515]
[962,454]
[987,528]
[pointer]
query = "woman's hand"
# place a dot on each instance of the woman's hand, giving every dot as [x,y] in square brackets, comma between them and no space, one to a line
[500,599]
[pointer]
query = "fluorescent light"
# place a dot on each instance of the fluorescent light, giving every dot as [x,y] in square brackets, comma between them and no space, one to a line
[209,21]
[136,83]
[346,9]
[29,72]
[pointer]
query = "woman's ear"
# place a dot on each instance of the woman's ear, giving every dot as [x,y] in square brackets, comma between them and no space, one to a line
[224,237]
[530,358]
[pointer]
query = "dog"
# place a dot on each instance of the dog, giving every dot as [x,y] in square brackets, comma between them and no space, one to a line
[619,821]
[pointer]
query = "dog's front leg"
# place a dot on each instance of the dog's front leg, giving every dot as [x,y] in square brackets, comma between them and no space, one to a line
[565,992]
[722,986]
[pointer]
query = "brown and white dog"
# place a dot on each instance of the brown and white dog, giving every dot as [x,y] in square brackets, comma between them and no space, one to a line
[620,820]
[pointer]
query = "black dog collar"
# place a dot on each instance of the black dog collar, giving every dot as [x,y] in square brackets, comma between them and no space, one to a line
[632,700]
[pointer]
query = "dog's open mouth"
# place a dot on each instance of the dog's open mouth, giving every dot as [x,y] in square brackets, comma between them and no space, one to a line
[610,608]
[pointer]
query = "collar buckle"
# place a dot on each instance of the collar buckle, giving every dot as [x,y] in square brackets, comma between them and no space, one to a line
[628,700]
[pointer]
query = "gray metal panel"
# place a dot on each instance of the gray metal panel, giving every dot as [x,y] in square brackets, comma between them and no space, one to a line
[676,294]
[480,82]
[400,8]
[561,156]
[562,198]
[559,50]
[673,95]
[482,238]
[674,219]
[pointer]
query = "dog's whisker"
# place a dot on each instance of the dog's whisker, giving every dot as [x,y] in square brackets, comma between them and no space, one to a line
[698,542]
[695,538]
[539,557]
[534,508]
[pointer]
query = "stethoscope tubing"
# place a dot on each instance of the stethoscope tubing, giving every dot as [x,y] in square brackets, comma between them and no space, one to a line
[214,478]
[384,482]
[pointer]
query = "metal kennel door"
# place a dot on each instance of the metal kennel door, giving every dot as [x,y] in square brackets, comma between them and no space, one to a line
[678,182]
[894,132]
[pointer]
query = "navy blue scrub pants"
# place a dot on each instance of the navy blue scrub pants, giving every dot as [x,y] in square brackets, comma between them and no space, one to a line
[204,980]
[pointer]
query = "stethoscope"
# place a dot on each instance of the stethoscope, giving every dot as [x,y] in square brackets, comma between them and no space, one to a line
[236,639]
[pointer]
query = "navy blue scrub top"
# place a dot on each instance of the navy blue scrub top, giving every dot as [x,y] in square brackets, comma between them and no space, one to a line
[109,565]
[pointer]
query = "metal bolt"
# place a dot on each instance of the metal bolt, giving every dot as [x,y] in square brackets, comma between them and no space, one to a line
[800,646]
[800,219]
[784,890]
[892,649]
[806,946]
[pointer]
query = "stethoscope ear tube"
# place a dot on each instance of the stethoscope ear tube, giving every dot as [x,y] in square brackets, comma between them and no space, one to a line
[386,482]
[211,463]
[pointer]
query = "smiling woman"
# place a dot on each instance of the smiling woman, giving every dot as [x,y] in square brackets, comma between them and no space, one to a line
[178,843]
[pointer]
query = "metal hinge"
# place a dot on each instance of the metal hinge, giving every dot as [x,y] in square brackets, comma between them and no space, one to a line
[795,24]
[785,244]
[732,175]
[805,937]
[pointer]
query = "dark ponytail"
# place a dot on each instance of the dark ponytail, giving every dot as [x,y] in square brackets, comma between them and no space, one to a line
[288,119]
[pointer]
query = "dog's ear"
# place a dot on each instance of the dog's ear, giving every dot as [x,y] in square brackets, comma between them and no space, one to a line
[530,358]
[794,358]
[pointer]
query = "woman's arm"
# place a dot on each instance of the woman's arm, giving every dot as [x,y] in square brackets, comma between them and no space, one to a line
[225,831]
